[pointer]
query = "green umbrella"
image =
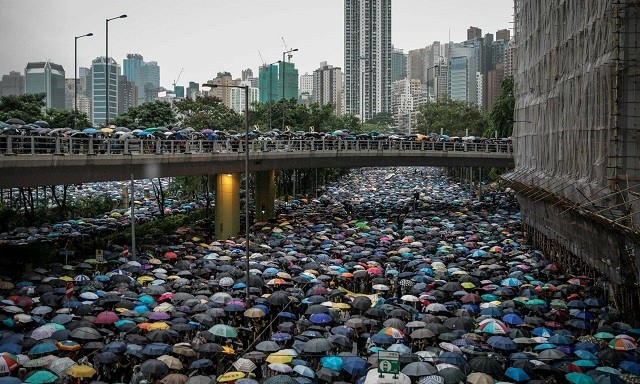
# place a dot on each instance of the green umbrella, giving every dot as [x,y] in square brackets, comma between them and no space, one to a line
[223,330]
[579,378]
[40,377]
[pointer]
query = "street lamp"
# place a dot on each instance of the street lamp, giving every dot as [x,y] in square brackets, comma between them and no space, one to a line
[75,79]
[283,77]
[246,170]
[107,76]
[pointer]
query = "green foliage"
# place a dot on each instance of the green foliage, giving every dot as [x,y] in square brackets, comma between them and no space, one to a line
[26,107]
[383,119]
[297,117]
[207,112]
[454,117]
[154,114]
[502,113]
[62,118]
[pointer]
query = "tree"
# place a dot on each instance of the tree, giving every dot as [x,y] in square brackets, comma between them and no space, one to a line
[26,107]
[154,114]
[382,118]
[207,112]
[62,118]
[453,117]
[502,113]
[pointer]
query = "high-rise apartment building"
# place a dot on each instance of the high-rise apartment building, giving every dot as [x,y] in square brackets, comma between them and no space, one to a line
[48,78]
[130,64]
[367,67]
[417,64]
[12,84]
[398,65]
[306,84]
[268,76]
[246,74]
[223,93]
[127,94]
[237,97]
[147,80]
[288,81]
[503,34]
[327,86]
[406,97]
[474,33]
[99,87]
[69,93]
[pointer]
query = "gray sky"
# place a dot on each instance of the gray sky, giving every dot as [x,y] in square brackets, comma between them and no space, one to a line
[209,36]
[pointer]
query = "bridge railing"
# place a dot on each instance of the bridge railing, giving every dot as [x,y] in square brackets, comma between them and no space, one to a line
[42,145]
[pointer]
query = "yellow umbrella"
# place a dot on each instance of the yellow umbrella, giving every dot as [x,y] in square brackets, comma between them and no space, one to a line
[66,278]
[468,285]
[107,130]
[228,350]
[155,261]
[158,325]
[341,305]
[81,371]
[144,279]
[230,376]
[279,358]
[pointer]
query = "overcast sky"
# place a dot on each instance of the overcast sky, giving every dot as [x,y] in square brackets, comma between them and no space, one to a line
[209,36]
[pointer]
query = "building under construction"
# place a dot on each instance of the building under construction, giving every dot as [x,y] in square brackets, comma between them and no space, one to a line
[576,135]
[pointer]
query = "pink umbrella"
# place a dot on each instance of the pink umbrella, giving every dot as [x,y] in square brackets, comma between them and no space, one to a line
[106,317]
[159,316]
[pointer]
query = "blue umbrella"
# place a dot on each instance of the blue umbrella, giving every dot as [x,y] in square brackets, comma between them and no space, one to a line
[517,374]
[156,349]
[543,346]
[355,366]
[586,355]
[42,348]
[11,348]
[280,336]
[332,362]
[10,380]
[631,367]
[512,319]
[586,346]
[320,318]
[503,343]
[287,315]
[115,347]
[382,338]
[452,358]
[304,371]
[542,331]
[202,363]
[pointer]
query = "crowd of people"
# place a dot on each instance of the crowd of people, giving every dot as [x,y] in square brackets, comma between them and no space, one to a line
[396,260]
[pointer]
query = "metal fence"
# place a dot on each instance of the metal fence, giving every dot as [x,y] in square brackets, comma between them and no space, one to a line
[39,145]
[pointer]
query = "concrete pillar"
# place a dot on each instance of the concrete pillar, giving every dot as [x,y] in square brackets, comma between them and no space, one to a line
[227,205]
[265,194]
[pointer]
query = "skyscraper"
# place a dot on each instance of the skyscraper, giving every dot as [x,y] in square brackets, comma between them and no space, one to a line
[268,78]
[48,78]
[288,81]
[398,65]
[367,45]
[246,74]
[127,94]
[306,83]
[474,33]
[327,86]
[12,84]
[417,64]
[98,90]
[193,90]
[223,93]
[237,96]
[130,64]
[148,82]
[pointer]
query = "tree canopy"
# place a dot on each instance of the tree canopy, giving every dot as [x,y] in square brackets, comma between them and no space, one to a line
[453,117]
[502,113]
[207,112]
[61,118]
[27,108]
[153,114]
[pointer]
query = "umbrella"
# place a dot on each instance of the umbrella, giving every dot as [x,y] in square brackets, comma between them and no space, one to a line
[60,366]
[317,346]
[479,378]
[81,371]
[154,367]
[244,365]
[332,362]
[355,366]
[230,376]
[171,362]
[419,368]
[579,378]
[486,364]
[174,378]
[40,377]
[223,330]
[281,379]
[517,374]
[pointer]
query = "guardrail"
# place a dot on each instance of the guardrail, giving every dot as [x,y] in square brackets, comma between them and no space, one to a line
[37,145]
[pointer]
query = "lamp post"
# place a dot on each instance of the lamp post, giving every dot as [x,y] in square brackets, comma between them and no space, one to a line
[107,76]
[283,77]
[75,79]
[246,171]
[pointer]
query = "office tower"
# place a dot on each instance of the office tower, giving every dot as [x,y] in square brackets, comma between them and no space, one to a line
[69,93]
[193,90]
[288,81]
[148,81]
[127,94]
[48,78]
[327,86]
[417,64]
[463,68]
[237,96]
[179,91]
[98,90]
[367,34]
[246,74]
[130,64]
[398,65]
[12,84]
[268,76]
[503,34]
[474,33]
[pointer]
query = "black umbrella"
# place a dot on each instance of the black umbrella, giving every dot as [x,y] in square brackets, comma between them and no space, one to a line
[318,345]
[154,367]
[487,364]
[106,357]
[419,368]
[15,121]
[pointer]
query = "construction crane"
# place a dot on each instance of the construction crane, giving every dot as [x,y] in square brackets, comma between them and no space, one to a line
[264,63]
[286,48]
[177,78]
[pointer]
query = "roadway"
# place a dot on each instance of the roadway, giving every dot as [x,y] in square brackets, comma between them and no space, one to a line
[30,161]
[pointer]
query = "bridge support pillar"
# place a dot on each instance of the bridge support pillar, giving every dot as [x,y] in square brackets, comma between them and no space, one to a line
[227,205]
[265,194]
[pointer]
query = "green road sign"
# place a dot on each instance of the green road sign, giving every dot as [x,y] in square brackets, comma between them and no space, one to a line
[388,362]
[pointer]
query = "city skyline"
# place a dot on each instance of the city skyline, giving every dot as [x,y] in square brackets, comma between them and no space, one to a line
[415,24]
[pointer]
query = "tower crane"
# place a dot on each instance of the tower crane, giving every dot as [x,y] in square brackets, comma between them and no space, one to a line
[264,63]
[286,48]
[177,78]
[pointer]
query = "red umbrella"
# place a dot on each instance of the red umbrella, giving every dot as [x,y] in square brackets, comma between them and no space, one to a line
[8,362]
[170,255]
[166,296]
[21,301]
[106,317]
